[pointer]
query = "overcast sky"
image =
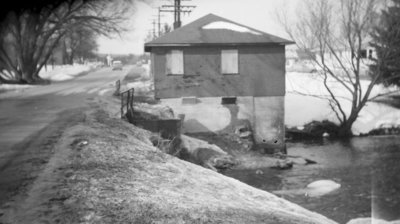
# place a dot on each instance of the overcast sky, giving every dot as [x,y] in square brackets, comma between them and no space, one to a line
[259,14]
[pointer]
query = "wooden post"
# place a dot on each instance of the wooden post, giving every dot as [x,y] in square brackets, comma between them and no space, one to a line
[122,105]
[117,88]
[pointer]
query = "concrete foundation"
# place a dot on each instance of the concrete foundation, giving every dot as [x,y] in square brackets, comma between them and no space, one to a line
[264,114]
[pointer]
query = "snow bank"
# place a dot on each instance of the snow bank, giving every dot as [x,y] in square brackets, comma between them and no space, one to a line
[64,72]
[7,87]
[301,109]
[56,73]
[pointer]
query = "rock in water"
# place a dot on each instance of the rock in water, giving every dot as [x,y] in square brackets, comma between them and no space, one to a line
[207,155]
[283,164]
[259,172]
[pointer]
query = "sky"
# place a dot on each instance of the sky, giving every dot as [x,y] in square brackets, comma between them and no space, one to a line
[258,14]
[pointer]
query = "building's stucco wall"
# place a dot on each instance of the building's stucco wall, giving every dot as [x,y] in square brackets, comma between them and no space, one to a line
[269,119]
[264,114]
[261,73]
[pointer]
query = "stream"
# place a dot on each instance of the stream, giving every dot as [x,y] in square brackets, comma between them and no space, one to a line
[368,169]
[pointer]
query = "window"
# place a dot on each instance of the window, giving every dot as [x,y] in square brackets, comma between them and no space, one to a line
[229,62]
[228,100]
[175,62]
[370,53]
[363,53]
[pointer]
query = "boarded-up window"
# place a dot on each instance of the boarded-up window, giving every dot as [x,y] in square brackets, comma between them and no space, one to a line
[229,62]
[175,62]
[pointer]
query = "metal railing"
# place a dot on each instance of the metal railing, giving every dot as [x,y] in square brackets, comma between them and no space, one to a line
[127,103]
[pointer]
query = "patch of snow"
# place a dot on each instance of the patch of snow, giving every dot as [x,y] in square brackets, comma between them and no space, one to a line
[54,73]
[229,26]
[324,185]
[315,189]
[371,221]
[104,91]
[64,72]
[60,77]
[146,74]
[7,87]
[13,87]
[141,86]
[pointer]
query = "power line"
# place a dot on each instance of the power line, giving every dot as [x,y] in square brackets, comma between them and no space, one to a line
[154,27]
[177,10]
[159,20]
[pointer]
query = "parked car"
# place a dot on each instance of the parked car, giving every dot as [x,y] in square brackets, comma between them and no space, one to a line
[117,65]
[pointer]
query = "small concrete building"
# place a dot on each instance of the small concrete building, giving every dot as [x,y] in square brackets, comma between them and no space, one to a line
[221,75]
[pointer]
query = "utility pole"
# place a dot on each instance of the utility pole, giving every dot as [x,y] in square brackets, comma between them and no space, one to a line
[177,10]
[154,28]
[177,14]
[153,21]
[159,21]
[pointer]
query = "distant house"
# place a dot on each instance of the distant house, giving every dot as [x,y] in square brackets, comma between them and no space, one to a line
[220,75]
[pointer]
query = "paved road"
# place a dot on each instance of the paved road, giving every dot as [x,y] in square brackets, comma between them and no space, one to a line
[32,120]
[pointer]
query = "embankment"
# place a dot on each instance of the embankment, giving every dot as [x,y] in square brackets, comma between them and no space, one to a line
[105,170]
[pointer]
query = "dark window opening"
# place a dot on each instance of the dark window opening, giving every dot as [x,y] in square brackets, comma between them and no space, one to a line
[370,54]
[363,54]
[228,100]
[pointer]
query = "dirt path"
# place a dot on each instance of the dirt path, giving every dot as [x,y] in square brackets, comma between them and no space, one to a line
[21,167]
[32,120]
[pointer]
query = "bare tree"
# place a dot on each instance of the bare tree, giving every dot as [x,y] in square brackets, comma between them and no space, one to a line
[334,34]
[29,34]
[77,44]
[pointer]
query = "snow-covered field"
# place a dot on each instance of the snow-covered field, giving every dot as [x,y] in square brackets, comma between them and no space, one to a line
[301,109]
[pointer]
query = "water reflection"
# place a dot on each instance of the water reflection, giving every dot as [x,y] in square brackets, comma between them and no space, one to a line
[368,169]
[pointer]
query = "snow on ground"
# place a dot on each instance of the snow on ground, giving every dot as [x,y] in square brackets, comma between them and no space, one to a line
[141,87]
[6,87]
[146,67]
[301,109]
[56,73]
[64,72]
[143,84]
